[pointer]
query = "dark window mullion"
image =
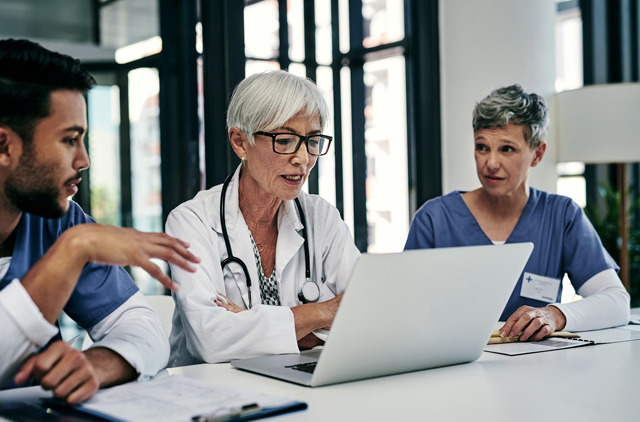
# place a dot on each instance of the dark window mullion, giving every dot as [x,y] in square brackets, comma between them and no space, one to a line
[360,225]
[336,66]
[311,69]
[283,34]
[126,197]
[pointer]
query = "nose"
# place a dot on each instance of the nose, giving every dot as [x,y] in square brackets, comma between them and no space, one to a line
[301,156]
[82,161]
[493,161]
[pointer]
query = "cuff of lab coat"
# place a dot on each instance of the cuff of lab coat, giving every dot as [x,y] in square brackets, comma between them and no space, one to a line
[25,314]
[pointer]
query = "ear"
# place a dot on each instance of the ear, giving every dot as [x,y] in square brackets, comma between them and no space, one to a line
[239,142]
[10,145]
[538,153]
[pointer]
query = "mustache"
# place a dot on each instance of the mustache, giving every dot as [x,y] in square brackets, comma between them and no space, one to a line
[78,176]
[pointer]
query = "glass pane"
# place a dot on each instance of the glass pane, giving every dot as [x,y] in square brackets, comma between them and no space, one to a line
[327,163]
[347,151]
[386,150]
[145,158]
[295,20]
[569,50]
[383,21]
[257,66]
[298,69]
[104,152]
[123,23]
[261,30]
[323,32]
[343,30]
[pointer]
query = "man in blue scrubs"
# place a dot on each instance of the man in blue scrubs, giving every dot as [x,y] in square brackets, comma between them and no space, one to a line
[50,260]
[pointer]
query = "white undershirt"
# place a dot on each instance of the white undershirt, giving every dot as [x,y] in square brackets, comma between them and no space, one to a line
[605,304]
[4,265]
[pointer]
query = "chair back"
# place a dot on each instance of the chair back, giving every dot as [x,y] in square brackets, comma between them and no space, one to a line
[162,304]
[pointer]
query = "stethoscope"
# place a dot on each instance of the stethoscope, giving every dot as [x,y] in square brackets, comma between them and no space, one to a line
[309,292]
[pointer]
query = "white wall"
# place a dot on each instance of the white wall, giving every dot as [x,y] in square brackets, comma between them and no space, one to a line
[487,44]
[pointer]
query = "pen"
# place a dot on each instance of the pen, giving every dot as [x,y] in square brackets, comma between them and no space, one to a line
[228,414]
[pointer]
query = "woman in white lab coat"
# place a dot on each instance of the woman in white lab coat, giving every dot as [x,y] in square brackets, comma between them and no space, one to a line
[251,294]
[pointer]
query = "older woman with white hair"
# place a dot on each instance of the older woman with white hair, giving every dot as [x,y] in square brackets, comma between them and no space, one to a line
[275,260]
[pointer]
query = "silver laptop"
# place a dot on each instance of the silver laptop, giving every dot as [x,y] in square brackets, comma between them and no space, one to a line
[405,312]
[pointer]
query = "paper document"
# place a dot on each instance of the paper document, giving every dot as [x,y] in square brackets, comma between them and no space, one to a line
[176,398]
[610,335]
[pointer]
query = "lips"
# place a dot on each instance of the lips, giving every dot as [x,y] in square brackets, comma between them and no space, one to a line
[493,179]
[72,186]
[295,178]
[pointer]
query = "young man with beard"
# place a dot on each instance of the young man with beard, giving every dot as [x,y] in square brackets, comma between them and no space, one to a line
[50,260]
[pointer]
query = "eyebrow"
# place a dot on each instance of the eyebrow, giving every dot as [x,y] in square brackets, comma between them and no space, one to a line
[78,129]
[313,132]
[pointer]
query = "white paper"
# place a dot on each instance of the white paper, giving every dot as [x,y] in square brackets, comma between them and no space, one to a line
[545,345]
[174,398]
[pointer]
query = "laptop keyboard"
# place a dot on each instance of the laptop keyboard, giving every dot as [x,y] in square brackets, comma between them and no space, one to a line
[304,367]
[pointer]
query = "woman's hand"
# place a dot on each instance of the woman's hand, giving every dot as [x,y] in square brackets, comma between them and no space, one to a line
[226,303]
[533,324]
[312,316]
[309,342]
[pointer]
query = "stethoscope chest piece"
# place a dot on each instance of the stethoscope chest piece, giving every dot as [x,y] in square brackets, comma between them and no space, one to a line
[309,292]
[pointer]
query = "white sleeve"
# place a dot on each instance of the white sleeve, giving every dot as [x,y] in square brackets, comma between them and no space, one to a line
[135,332]
[23,329]
[605,304]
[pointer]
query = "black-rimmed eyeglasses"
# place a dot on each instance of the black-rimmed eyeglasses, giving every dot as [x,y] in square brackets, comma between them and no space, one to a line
[288,143]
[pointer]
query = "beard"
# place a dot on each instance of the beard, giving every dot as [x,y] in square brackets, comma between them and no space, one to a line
[32,188]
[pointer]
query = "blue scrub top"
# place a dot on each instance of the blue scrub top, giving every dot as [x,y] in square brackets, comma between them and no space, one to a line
[564,239]
[100,288]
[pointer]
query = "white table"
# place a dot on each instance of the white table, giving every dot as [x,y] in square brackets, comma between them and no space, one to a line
[590,383]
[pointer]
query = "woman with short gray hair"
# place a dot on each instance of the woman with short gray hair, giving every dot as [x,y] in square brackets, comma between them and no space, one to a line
[509,127]
[275,260]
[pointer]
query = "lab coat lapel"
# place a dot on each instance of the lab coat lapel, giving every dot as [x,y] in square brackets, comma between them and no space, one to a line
[290,238]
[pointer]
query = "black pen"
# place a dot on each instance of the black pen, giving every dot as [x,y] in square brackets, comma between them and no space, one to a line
[228,414]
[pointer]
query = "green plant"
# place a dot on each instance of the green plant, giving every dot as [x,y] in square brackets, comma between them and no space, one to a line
[607,225]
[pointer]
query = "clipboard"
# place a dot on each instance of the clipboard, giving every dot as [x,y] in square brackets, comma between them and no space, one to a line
[176,398]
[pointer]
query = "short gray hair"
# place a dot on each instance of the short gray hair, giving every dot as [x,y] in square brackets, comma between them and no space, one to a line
[512,105]
[266,101]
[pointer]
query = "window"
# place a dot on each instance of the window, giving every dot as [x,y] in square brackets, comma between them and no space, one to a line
[371,90]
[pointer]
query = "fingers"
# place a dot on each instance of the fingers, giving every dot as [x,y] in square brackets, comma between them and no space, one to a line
[172,250]
[226,303]
[536,330]
[25,371]
[63,370]
[156,272]
[529,323]
[125,246]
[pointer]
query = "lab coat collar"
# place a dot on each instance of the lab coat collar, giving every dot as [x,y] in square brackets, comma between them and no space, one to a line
[232,209]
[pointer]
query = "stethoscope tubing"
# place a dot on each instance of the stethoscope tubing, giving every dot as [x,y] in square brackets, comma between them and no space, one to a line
[233,259]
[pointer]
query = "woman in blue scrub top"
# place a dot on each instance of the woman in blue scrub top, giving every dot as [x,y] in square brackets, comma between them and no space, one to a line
[509,127]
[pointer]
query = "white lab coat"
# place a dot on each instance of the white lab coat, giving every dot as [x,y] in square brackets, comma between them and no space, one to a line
[204,332]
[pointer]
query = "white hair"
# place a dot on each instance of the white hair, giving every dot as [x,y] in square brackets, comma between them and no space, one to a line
[267,100]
